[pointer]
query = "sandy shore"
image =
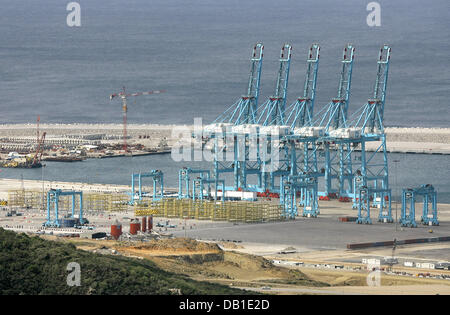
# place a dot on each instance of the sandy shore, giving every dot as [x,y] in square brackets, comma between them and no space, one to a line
[7,184]
[13,184]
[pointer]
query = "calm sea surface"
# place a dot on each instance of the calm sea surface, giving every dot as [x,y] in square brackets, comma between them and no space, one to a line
[411,170]
[199,50]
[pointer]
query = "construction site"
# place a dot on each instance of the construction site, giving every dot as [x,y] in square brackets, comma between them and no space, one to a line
[289,188]
[19,149]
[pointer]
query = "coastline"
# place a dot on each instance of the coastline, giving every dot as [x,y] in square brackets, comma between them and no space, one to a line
[398,139]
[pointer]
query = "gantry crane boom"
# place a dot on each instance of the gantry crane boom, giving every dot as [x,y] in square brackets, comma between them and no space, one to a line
[273,111]
[123,95]
[244,111]
[302,110]
[372,116]
[336,114]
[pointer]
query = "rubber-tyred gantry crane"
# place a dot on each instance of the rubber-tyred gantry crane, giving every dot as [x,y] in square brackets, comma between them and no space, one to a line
[123,95]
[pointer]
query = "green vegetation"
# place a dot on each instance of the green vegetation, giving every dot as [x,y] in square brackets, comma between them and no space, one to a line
[31,265]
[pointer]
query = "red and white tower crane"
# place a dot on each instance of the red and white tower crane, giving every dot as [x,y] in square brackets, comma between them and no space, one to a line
[39,150]
[123,95]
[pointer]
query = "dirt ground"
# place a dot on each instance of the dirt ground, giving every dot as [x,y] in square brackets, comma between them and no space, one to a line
[235,265]
[208,262]
[202,261]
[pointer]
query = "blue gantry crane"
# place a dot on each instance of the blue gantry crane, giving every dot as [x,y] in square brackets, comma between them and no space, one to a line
[185,176]
[274,155]
[157,177]
[245,131]
[409,198]
[303,186]
[333,119]
[365,196]
[369,122]
[303,176]
[236,131]
[242,113]
[53,197]
[201,188]
[300,119]
[308,146]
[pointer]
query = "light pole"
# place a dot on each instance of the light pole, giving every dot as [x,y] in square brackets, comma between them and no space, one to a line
[396,190]
[43,192]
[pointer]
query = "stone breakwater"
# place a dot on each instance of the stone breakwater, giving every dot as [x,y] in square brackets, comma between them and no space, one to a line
[406,140]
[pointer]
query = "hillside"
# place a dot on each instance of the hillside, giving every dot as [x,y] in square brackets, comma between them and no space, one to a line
[31,265]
